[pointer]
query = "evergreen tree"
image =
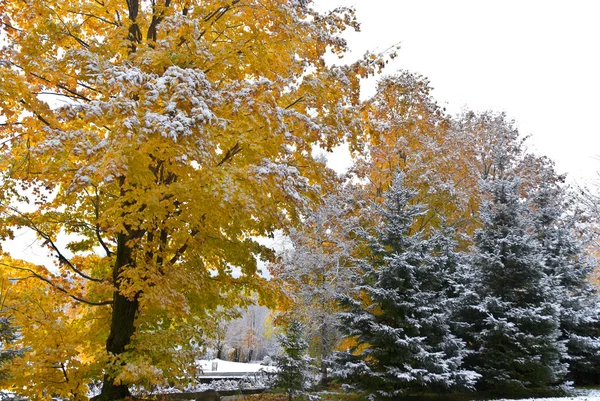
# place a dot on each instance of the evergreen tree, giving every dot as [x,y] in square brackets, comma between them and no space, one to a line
[8,331]
[580,327]
[515,326]
[293,363]
[398,315]
[8,335]
[570,267]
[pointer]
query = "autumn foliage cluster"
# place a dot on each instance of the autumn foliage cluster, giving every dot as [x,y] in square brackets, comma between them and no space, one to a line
[151,144]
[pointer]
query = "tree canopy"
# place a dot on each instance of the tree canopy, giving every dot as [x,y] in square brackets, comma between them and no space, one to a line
[151,146]
[162,137]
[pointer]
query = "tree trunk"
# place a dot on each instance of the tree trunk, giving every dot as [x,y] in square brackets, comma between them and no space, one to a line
[324,353]
[122,325]
[324,375]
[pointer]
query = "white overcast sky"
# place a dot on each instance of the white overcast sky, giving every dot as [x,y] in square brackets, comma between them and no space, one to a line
[539,61]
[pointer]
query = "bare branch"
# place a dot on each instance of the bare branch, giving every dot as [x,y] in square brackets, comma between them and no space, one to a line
[67,30]
[35,113]
[64,371]
[49,240]
[97,227]
[51,283]
[135,34]
[93,16]
[156,20]
[58,85]
[230,153]
[10,26]
[289,106]
[179,253]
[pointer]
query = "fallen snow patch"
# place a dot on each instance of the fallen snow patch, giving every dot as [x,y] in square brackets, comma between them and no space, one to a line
[580,395]
[218,365]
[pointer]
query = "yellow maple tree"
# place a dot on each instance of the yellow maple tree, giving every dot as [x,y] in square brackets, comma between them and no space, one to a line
[443,157]
[407,131]
[163,136]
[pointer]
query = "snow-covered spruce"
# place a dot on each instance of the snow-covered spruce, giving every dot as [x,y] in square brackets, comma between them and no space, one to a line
[570,268]
[511,319]
[399,314]
[8,335]
[294,370]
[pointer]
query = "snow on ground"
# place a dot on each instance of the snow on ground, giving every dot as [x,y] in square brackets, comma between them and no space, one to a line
[581,395]
[232,376]
[232,367]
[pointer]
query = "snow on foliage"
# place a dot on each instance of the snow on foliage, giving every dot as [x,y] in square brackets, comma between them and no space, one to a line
[514,329]
[294,374]
[316,271]
[400,318]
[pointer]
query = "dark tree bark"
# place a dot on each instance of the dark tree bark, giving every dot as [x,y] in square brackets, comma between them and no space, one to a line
[123,320]
[325,350]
